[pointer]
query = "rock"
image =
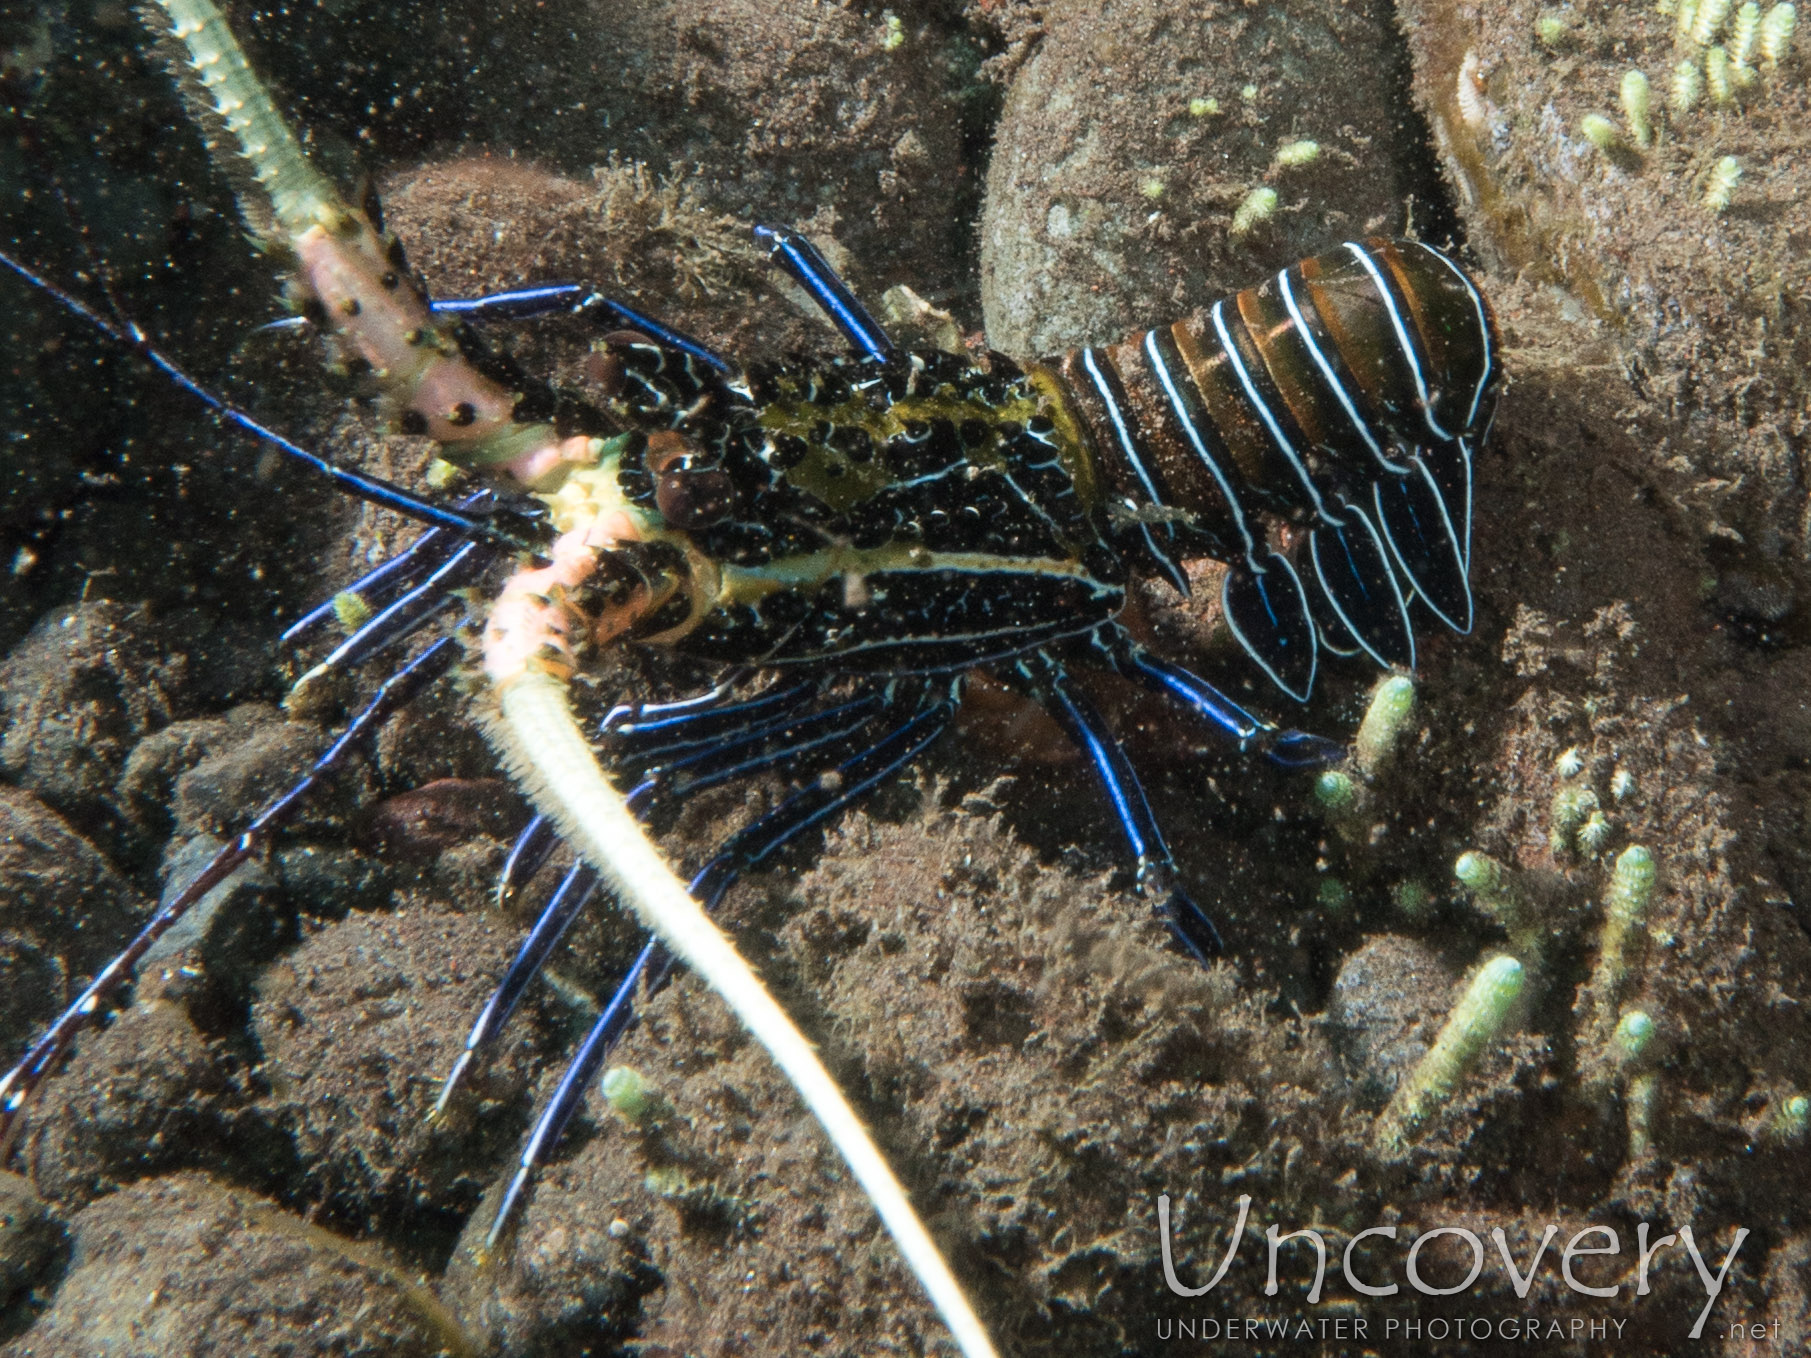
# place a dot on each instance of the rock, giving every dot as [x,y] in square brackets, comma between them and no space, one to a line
[1697,299]
[183,1267]
[359,1026]
[1026,1031]
[1388,1003]
[76,695]
[144,1092]
[29,1236]
[1111,189]
[64,911]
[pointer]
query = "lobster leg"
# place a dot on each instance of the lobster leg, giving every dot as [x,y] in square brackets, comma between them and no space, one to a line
[602,311]
[928,717]
[533,847]
[1048,682]
[784,743]
[651,732]
[802,262]
[408,614]
[397,691]
[1289,748]
[806,740]
[571,896]
[378,587]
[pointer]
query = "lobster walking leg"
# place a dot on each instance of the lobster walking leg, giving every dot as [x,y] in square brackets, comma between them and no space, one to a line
[527,856]
[1046,679]
[379,587]
[810,270]
[1287,748]
[928,718]
[569,898]
[408,614]
[397,691]
[821,738]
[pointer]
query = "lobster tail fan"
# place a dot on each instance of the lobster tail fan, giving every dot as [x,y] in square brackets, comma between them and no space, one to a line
[1335,637]
[1449,464]
[1426,543]
[1353,570]
[1267,609]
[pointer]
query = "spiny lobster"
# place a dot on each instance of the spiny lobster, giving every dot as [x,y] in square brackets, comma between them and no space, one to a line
[847,540]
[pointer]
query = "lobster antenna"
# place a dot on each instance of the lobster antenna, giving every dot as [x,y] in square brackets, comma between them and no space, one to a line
[343,259]
[546,750]
[240,123]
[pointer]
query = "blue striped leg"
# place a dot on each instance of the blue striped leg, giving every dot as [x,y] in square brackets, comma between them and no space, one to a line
[1045,678]
[572,895]
[397,691]
[1289,748]
[800,260]
[813,740]
[928,714]
[785,742]
[527,856]
[650,732]
[601,311]
[554,299]
[377,588]
[512,304]
[408,614]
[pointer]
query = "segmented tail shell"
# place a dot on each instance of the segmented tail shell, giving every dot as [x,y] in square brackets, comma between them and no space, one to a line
[1347,395]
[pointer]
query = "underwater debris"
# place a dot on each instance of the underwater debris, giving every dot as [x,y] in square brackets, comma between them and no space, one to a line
[1473,1026]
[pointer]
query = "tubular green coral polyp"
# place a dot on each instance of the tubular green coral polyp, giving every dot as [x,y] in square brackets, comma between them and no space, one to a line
[1385,723]
[1633,1038]
[1476,1022]
[1626,904]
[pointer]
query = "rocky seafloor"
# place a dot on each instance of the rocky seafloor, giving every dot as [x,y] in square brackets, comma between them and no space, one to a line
[240,1163]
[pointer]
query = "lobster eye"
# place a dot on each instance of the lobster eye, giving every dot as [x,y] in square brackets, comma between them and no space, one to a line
[693,497]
